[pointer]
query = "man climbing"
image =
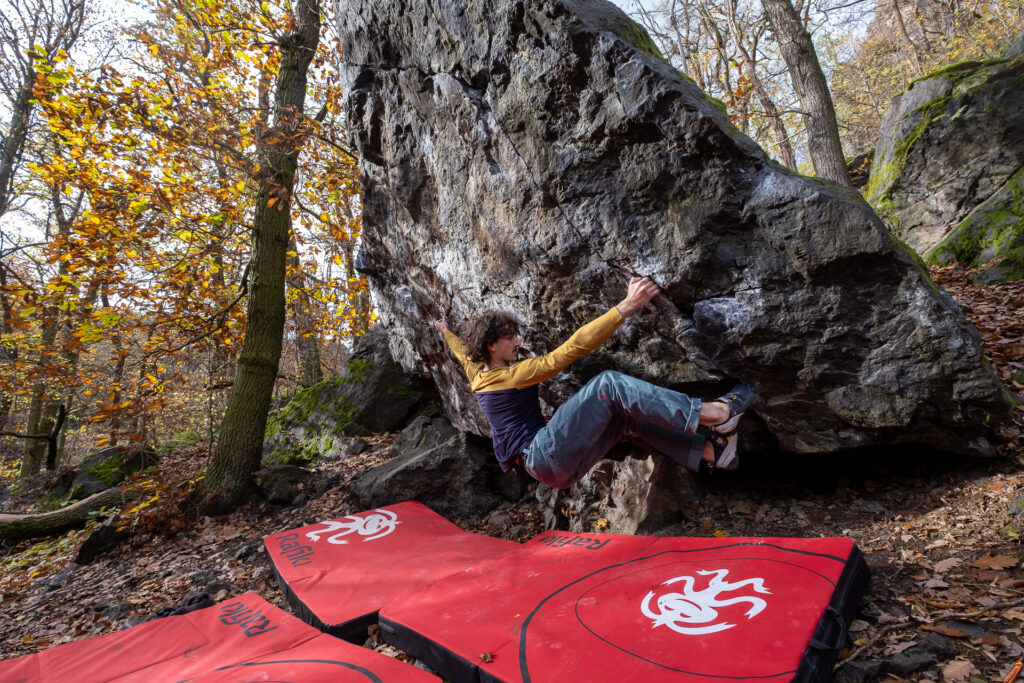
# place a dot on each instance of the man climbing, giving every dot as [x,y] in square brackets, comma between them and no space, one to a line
[608,407]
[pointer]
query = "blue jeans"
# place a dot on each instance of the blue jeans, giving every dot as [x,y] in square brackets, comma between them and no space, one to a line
[608,407]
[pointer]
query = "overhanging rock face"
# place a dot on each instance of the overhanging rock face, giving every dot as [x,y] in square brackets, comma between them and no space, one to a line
[526,156]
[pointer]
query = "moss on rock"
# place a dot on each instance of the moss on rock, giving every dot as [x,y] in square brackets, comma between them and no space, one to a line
[960,70]
[370,394]
[993,230]
[641,40]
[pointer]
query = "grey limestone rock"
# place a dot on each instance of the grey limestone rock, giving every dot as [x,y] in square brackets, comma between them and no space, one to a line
[532,156]
[948,143]
[631,496]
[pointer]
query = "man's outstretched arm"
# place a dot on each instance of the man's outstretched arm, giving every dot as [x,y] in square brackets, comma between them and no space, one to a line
[586,339]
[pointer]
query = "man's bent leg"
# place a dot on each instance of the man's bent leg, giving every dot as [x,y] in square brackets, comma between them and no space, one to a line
[685,449]
[646,402]
[586,426]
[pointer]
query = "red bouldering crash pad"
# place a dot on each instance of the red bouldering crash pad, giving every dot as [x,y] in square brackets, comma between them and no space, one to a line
[243,639]
[337,574]
[566,607]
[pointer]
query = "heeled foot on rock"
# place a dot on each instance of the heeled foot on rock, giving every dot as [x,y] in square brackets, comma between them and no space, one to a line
[738,399]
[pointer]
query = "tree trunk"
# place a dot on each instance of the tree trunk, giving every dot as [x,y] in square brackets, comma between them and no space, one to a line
[32,458]
[307,345]
[228,481]
[794,41]
[26,27]
[42,411]
[52,439]
[15,139]
[20,527]
[8,349]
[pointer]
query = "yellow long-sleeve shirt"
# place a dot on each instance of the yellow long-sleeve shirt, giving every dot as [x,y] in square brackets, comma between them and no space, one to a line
[532,371]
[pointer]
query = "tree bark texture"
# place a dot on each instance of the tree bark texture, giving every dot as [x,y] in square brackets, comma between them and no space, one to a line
[14,143]
[38,525]
[310,366]
[826,151]
[228,481]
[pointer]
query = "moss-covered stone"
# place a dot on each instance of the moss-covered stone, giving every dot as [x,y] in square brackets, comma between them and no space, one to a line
[944,144]
[370,394]
[880,185]
[111,471]
[993,230]
[107,468]
[636,36]
[960,70]
[718,103]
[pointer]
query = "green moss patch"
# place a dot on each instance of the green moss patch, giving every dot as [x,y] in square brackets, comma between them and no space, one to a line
[636,36]
[993,230]
[960,70]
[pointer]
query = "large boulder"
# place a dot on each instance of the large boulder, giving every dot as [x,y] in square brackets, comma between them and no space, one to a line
[533,156]
[371,394]
[951,141]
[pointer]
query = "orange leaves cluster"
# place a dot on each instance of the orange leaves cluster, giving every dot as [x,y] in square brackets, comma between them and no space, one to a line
[159,155]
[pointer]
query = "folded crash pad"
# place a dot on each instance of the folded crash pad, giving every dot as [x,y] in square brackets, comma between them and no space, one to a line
[337,574]
[601,607]
[242,639]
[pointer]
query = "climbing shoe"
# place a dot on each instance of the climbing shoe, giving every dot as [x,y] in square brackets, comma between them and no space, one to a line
[724,447]
[738,399]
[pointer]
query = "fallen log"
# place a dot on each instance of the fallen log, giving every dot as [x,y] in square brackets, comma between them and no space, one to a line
[41,524]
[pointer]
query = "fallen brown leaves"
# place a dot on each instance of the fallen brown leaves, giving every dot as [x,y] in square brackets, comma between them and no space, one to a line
[998,313]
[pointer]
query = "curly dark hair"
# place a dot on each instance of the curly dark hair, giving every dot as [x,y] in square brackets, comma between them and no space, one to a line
[483,330]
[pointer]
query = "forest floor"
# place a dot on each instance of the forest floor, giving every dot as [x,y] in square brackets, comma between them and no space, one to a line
[941,534]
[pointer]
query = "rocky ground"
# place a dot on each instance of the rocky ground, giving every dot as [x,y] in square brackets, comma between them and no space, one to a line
[940,533]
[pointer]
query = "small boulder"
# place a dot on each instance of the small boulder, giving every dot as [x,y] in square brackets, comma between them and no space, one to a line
[345,447]
[370,394]
[441,467]
[102,540]
[105,469]
[631,496]
[58,580]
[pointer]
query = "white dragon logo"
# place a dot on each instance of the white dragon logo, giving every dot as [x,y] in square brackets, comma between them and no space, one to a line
[373,525]
[681,611]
